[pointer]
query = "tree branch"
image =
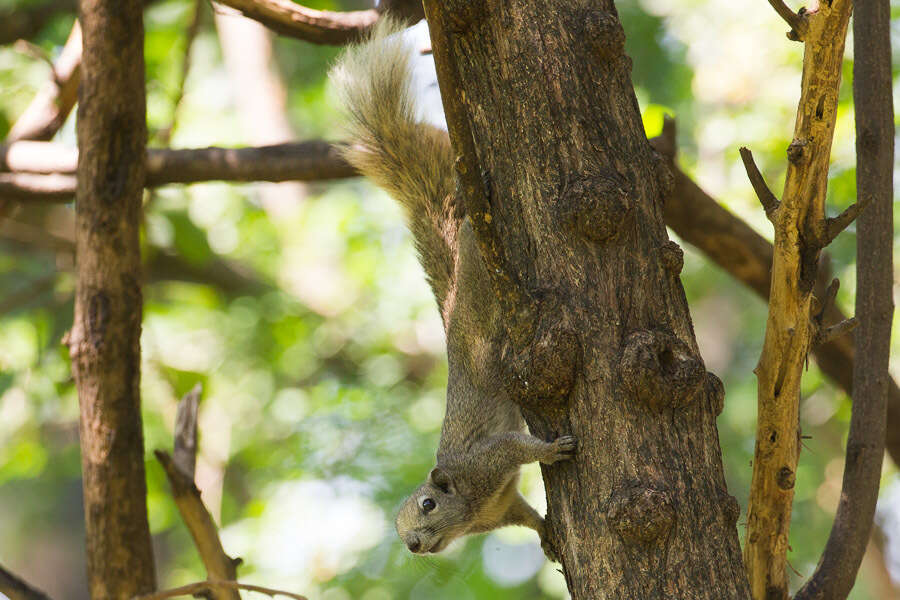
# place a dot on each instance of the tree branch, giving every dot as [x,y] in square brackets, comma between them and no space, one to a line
[872,95]
[54,101]
[219,566]
[789,333]
[316,26]
[180,472]
[701,221]
[15,588]
[44,171]
[104,342]
[195,589]
[766,197]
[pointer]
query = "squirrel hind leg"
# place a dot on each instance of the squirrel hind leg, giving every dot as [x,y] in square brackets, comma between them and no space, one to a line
[522,513]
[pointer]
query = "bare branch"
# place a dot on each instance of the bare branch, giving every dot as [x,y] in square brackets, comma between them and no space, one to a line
[185,454]
[316,26]
[872,94]
[30,187]
[794,20]
[193,589]
[789,331]
[768,200]
[834,226]
[44,171]
[15,588]
[823,336]
[165,135]
[219,566]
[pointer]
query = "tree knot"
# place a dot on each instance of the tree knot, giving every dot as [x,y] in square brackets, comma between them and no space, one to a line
[660,370]
[641,514]
[672,257]
[596,205]
[716,391]
[545,370]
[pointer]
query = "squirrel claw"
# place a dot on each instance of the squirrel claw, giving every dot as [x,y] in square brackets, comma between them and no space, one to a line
[563,448]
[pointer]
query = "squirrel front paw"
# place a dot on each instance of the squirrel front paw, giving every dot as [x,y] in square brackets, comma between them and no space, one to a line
[562,448]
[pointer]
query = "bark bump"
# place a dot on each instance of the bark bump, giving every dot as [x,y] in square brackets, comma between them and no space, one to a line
[595,206]
[641,514]
[660,370]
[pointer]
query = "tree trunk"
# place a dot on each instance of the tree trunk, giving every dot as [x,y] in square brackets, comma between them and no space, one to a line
[105,340]
[596,340]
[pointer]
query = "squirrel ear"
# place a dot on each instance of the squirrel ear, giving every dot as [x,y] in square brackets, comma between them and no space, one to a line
[441,480]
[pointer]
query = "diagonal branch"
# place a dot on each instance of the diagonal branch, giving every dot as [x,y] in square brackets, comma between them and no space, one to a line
[50,108]
[796,21]
[317,26]
[766,197]
[15,588]
[872,95]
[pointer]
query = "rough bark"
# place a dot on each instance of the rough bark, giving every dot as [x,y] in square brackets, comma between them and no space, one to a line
[801,232]
[104,342]
[872,95]
[565,197]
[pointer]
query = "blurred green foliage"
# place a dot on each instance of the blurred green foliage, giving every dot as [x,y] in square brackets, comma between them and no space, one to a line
[317,342]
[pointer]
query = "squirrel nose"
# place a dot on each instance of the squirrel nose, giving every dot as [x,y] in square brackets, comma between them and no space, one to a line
[414,544]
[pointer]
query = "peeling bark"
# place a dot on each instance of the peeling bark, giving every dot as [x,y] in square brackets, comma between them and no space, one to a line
[801,232]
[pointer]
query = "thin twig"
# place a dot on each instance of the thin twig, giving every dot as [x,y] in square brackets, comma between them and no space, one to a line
[185,450]
[193,589]
[766,197]
[834,226]
[795,21]
[54,101]
[219,566]
[165,134]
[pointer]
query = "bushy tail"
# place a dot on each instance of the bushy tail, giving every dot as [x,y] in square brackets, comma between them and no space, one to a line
[410,160]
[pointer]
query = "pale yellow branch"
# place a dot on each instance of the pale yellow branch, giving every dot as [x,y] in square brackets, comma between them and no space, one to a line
[799,224]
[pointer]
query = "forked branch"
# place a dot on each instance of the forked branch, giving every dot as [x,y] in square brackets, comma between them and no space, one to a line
[789,329]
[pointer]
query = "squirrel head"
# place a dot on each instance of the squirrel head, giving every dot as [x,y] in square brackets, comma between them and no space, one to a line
[434,515]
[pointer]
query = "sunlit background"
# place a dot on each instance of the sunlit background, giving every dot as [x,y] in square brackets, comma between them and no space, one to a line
[304,314]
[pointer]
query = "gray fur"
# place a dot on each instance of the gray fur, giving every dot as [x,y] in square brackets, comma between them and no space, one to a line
[482,446]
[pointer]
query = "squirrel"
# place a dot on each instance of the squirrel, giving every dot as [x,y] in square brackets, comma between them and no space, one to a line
[473,486]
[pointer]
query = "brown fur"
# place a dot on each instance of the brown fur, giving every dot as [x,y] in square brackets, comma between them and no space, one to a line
[473,485]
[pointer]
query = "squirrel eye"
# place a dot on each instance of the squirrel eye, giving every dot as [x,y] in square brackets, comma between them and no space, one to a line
[428,505]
